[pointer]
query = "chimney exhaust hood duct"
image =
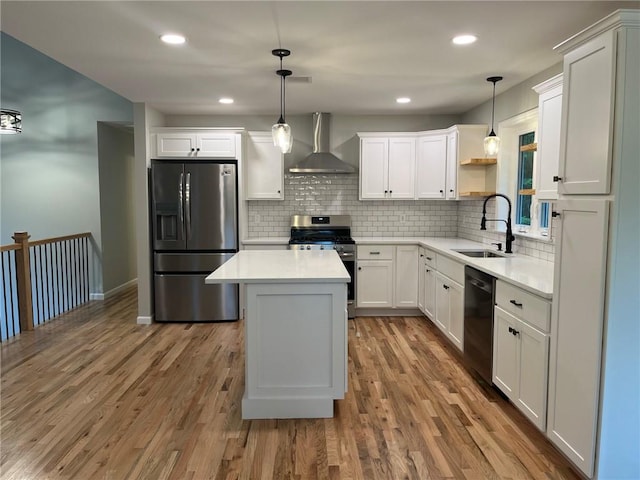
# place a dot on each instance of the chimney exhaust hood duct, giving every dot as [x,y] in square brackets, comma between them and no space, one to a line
[321,160]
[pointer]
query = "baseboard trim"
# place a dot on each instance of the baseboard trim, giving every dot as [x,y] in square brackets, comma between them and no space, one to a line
[144,320]
[113,291]
[388,312]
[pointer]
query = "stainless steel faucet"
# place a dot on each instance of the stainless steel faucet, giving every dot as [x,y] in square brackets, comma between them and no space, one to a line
[483,224]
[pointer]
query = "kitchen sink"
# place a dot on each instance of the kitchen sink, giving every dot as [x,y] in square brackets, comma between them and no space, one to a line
[481,253]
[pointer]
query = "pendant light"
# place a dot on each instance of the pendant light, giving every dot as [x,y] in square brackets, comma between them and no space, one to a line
[492,141]
[281,131]
[10,121]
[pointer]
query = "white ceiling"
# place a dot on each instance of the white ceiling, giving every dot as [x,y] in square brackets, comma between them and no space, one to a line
[360,55]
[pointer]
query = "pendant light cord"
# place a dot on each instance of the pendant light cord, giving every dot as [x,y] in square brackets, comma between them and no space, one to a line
[493,106]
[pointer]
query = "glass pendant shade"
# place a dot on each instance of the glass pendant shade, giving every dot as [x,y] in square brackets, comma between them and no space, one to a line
[282,138]
[492,141]
[10,122]
[491,145]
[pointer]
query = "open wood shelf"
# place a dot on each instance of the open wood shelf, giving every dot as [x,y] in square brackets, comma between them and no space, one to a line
[479,161]
[527,191]
[532,147]
[475,194]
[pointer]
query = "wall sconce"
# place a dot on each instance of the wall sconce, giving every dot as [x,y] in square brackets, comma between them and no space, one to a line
[10,122]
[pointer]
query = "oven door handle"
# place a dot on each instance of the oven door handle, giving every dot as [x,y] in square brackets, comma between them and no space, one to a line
[346,255]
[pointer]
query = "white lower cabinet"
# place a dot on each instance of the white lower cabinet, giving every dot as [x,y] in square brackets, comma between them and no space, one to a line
[387,276]
[429,292]
[449,315]
[521,351]
[374,284]
[406,277]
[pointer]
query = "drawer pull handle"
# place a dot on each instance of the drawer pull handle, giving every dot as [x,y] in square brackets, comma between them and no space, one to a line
[429,258]
[519,305]
[446,287]
[513,331]
[374,253]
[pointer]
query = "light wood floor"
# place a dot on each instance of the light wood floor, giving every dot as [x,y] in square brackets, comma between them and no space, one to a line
[92,395]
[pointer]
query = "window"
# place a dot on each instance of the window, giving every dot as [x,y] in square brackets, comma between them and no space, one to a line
[524,187]
[517,170]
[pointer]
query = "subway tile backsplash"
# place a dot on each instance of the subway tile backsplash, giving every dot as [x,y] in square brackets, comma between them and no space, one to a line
[338,194]
[469,217]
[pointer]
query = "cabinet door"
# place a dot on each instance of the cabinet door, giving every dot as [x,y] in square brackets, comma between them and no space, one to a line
[406,283]
[175,145]
[374,162]
[216,145]
[442,303]
[451,186]
[456,314]
[587,117]
[505,353]
[421,279]
[431,166]
[374,283]
[548,155]
[265,168]
[533,370]
[577,321]
[430,292]
[402,164]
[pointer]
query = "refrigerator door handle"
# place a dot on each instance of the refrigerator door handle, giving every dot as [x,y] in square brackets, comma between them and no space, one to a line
[180,203]
[188,204]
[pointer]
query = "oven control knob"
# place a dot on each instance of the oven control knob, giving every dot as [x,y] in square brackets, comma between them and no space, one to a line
[335,247]
[321,247]
[308,247]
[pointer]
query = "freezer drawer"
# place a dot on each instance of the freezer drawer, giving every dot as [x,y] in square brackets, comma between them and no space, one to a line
[186,298]
[189,262]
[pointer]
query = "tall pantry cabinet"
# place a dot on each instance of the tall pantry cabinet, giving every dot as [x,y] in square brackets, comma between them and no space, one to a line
[594,365]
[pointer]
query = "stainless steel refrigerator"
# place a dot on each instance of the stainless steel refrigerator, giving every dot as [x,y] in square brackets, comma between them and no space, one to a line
[195,230]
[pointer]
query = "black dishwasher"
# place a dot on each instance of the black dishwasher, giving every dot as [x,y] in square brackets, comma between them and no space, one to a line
[479,301]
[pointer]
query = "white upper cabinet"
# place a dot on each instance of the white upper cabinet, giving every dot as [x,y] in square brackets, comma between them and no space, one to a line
[451,185]
[387,167]
[470,174]
[264,168]
[180,144]
[402,165]
[431,167]
[586,145]
[549,121]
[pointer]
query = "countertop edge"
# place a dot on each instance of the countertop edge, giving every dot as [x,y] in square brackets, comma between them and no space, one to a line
[435,243]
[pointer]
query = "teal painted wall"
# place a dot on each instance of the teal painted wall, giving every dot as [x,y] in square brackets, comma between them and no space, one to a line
[49,175]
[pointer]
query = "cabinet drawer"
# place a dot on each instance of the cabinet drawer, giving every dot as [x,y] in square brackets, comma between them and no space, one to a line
[375,252]
[450,268]
[430,258]
[529,307]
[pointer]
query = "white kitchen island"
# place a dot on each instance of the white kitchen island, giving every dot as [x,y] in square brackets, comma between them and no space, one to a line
[295,330]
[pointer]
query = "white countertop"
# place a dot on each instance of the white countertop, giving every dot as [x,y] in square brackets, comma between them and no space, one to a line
[281,266]
[532,274]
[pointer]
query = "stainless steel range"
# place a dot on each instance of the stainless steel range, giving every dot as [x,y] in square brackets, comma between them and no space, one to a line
[327,232]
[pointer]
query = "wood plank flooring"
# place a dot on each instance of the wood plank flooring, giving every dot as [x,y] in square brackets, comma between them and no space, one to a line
[92,395]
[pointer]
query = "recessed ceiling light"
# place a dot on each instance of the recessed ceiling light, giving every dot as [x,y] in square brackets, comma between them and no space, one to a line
[226,101]
[465,39]
[403,100]
[173,39]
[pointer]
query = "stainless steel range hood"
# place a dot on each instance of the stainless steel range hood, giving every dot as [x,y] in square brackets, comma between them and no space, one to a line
[321,160]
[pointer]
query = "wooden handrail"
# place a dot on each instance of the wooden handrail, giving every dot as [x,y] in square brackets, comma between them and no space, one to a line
[8,248]
[59,239]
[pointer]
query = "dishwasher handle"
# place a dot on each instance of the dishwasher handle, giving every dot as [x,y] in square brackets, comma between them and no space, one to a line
[479,284]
